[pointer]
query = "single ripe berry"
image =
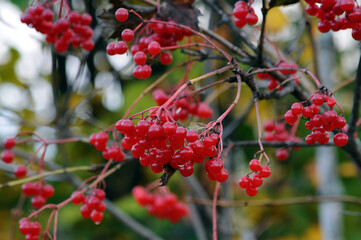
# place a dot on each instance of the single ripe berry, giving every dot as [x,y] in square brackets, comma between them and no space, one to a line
[165,58]
[128,35]
[269,126]
[7,156]
[20,171]
[290,117]
[340,139]
[154,48]
[254,165]
[251,191]
[264,172]
[122,14]
[297,108]
[140,58]
[96,217]
[9,143]
[244,182]
[318,99]
[282,154]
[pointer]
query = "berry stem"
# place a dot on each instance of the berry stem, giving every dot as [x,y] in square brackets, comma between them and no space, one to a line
[305,71]
[259,128]
[188,45]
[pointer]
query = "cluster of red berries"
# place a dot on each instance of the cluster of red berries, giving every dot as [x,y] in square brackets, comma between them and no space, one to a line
[251,184]
[162,205]
[7,156]
[38,191]
[244,14]
[73,29]
[93,205]
[273,83]
[278,132]
[183,106]
[31,230]
[157,143]
[149,47]
[320,124]
[336,15]
[114,152]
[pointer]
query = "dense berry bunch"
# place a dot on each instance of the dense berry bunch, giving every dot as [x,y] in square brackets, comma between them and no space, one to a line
[148,47]
[251,184]
[39,192]
[161,205]
[183,106]
[74,29]
[278,132]
[244,14]
[336,15]
[273,83]
[159,143]
[92,205]
[31,230]
[319,123]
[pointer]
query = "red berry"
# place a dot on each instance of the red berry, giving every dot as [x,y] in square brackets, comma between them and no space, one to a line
[254,165]
[20,171]
[120,47]
[47,191]
[318,99]
[128,35]
[222,176]
[165,58]
[290,117]
[140,58]
[282,154]
[192,136]
[340,139]
[256,181]
[297,108]
[122,14]
[7,156]
[154,48]
[340,122]
[264,172]
[38,201]
[111,49]
[9,143]
[251,191]
[244,182]
[204,111]
[77,197]
[96,217]
[269,126]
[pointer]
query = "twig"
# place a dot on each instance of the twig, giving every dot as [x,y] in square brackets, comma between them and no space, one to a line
[264,11]
[277,144]
[278,202]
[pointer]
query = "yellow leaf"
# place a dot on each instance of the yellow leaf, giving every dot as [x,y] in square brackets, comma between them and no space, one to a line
[275,20]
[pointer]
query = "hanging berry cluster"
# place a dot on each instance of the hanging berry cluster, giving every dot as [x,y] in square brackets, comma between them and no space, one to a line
[92,205]
[146,48]
[336,15]
[157,143]
[320,124]
[31,230]
[39,192]
[244,14]
[161,205]
[73,29]
[251,184]
[273,82]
